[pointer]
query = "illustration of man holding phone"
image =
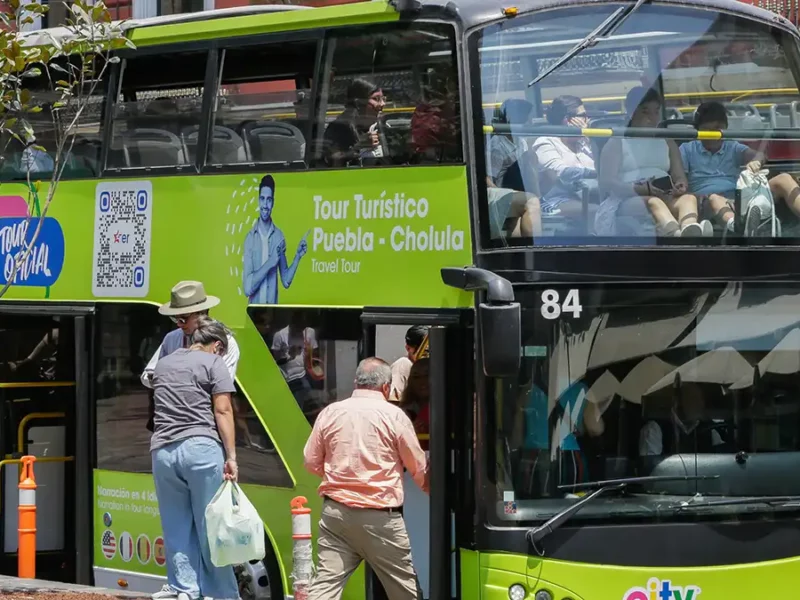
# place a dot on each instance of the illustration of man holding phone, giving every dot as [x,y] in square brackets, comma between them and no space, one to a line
[265,252]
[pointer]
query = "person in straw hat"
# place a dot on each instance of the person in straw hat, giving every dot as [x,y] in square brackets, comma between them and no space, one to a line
[188,300]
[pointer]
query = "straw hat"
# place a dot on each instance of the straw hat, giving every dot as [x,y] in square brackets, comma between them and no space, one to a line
[188,297]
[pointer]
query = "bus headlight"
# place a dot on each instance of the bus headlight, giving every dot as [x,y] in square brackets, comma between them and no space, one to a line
[543,595]
[516,592]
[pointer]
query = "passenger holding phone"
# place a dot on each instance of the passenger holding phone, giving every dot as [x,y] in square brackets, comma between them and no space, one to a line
[646,173]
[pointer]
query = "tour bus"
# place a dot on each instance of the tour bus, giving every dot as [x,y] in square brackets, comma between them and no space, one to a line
[612,417]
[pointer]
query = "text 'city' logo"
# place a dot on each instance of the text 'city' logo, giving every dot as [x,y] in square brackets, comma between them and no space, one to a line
[662,590]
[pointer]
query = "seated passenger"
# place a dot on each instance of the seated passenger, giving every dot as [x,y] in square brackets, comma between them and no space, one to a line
[435,124]
[565,165]
[688,430]
[713,167]
[628,167]
[509,201]
[353,136]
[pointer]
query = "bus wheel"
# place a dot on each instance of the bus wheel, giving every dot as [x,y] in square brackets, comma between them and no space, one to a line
[260,579]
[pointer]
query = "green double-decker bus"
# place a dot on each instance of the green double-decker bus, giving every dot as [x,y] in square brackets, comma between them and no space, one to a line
[614,416]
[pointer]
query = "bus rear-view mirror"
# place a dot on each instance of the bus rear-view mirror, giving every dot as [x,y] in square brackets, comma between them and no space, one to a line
[500,335]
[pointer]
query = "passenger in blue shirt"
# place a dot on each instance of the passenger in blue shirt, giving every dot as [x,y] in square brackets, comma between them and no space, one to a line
[713,167]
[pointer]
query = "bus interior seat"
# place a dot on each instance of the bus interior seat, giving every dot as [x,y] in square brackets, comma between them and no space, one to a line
[84,160]
[784,116]
[744,116]
[225,148]
[606,122]
[273,142]
[152,148]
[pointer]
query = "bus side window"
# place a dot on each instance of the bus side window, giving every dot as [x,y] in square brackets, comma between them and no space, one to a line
[261,110]
[159,105]
[315,350]
[389,97]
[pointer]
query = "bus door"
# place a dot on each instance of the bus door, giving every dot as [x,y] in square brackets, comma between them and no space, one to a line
[44,412]
[447,356]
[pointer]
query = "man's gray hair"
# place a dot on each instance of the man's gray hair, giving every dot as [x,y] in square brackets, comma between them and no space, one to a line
[373,373]
[209,331]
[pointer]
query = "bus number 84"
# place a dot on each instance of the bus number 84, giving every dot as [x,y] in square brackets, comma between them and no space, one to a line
[553,309]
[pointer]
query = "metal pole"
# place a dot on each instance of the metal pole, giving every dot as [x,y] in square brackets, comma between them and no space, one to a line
[439,473]
[83,457]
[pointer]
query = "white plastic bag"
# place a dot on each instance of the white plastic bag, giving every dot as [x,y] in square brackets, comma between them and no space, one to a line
[235,531]
[754,189]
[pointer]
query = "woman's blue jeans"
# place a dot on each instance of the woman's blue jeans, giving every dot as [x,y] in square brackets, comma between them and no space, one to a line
[187,474]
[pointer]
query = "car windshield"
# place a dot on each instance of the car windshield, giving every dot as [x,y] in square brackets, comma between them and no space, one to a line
[670,67]
[659,381]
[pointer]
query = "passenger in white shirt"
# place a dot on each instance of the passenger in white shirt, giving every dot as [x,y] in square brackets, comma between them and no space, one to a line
[565,164]
[290,347]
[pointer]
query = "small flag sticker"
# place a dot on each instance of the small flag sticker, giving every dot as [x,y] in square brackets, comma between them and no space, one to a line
[159,552]
[143,549]
[126,546]
[109,544]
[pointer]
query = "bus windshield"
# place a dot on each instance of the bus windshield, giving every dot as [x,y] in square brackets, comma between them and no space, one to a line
[555,174]
[657,381]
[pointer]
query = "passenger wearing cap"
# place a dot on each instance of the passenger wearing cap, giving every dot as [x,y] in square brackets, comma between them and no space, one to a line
[353,136]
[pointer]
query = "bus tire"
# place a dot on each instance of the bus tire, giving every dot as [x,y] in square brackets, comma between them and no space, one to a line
[261,579]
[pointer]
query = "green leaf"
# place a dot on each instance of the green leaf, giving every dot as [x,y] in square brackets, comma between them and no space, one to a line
[34,72]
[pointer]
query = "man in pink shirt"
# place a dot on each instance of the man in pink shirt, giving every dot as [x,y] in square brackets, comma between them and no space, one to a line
[359,447]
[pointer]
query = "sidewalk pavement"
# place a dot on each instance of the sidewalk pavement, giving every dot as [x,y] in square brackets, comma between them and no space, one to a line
[15,585]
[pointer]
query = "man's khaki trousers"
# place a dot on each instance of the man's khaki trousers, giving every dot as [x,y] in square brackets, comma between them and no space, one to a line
[349,535]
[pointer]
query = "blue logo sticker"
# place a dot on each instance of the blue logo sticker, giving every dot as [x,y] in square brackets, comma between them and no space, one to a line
[107,519]
[46,258]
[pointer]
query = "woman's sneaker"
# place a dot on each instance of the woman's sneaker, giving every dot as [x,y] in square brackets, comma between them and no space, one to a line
[691,230]
[167,592]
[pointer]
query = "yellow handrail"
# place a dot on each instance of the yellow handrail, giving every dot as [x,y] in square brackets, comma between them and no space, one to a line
[30,417]
[36,384]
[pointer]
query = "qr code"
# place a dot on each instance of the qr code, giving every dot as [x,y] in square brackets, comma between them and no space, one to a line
[122,217]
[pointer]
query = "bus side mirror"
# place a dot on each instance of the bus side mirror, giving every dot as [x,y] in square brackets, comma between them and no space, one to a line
[500,338]
[499,318]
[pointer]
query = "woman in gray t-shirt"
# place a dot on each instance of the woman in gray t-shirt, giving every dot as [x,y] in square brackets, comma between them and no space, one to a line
[193,450]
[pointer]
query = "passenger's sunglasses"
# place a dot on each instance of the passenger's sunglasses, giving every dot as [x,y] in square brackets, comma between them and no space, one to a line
[179,320]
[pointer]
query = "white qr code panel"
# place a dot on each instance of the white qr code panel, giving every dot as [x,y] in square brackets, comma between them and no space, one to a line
[122,224]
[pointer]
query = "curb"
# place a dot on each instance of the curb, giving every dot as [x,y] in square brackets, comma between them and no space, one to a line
[15,585]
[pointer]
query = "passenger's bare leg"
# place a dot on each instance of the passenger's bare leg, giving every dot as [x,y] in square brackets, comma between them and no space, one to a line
[666,225]
[685,210]
[524,216]
[721,209]
[785,187]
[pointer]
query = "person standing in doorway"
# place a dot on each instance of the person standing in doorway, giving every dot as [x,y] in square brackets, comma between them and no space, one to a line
[188,303]
[265,252]
[359,447]
[401,368]
[193,450]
